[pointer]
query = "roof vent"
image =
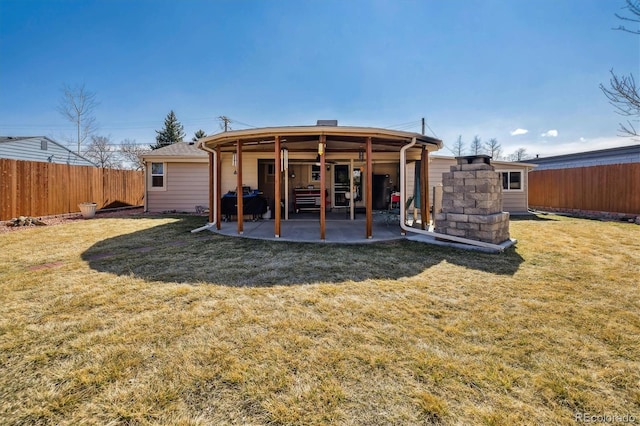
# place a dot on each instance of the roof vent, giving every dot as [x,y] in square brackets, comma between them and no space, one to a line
[327,123]
[191,142]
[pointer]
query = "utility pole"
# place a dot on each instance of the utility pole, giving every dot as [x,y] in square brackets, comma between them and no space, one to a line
[226,120]
[423,125]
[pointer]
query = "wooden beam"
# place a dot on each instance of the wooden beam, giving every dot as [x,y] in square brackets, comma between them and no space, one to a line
[278,176]
[212,168]
[369,196]
[323,198]
[239,199]
[424,188]
[218,193]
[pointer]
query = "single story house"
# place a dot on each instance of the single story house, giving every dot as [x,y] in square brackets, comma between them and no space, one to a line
[601,157]
[176,178]
[40,148]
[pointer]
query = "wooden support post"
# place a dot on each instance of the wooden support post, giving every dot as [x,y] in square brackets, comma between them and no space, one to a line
[239,199]
[218,194]
[278,170]
[323,189]
[212,192]
[424,188]
[369,196]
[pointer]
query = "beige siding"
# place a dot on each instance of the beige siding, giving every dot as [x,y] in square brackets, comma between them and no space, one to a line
[249,171]
[514,202]
[186,187]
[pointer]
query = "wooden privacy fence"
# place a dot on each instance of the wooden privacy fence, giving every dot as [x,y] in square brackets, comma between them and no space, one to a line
[612,188]
[30,188]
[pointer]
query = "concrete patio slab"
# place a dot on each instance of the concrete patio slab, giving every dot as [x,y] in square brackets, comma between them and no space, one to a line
[308,230]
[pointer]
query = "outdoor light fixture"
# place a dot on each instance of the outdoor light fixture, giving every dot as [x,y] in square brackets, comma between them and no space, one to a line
[361,154]
[321,148]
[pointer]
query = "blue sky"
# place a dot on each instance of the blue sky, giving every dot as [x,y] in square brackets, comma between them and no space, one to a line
[470,67]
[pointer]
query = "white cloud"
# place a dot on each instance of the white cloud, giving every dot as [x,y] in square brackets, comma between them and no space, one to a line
[519,131]
[553,133]
[583,140]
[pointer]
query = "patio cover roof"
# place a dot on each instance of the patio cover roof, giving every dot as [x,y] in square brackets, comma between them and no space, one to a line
[320,139]
[306,138]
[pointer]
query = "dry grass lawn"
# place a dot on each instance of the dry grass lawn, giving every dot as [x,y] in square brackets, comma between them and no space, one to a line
[137,321]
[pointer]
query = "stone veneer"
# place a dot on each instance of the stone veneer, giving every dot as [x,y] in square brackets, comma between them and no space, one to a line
[472,202]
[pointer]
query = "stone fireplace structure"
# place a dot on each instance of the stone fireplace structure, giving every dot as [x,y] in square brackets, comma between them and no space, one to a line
[472,202]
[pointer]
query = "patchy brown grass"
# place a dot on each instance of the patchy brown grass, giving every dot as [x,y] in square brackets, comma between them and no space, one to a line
[136,321]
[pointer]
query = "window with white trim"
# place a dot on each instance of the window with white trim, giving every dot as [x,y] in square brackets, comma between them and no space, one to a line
[511,180]
[158,181]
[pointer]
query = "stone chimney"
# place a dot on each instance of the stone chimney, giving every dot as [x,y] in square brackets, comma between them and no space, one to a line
[472,202]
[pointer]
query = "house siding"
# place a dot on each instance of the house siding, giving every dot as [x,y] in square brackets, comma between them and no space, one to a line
[186,187]
[31,150]
[229,180]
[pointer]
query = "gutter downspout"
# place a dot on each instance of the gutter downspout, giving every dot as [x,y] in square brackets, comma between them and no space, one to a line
[215,159]
[405,228]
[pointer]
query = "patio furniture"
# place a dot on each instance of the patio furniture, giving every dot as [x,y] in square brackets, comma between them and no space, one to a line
[253,203]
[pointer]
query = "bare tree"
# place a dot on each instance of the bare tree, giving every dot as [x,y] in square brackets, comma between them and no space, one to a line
[77,105]
[494,149]
[458,147]
[476,146]
[634,9]
[622,92]
[101,152]
[519,155]
[131,152]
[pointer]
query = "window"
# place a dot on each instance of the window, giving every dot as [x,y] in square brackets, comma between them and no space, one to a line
[44,145]
[511,181]
[315,173]
[157,175]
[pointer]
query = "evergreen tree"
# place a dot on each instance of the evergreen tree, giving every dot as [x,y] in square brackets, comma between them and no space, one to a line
[172,132]
[199,134]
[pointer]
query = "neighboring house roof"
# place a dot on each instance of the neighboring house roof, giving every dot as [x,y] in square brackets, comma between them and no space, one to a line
[179,151]
[619,155]
[40,148]
[496,163]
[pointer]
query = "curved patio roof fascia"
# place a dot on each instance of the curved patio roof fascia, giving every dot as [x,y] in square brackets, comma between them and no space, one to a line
[348,131]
